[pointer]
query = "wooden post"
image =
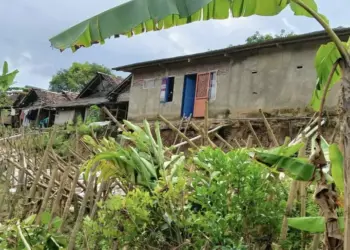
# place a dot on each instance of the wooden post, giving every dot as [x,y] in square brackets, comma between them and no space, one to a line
[37,120]
[269,129]
[114,119]
[187,125]
[172,127]
[69,199]
[206,125]
[40,170]
[223,141]
[79,221]
[177,135]
[249,141]
[254,134]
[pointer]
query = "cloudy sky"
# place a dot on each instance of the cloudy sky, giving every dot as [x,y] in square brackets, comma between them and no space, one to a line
[28,24]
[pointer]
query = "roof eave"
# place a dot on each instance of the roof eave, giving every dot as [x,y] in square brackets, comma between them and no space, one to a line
[239,48]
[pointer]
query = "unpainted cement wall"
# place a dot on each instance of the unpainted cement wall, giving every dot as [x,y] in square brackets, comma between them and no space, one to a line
[270,79]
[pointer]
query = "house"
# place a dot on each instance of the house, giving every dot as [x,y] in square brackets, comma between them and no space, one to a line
[95,92]
[37,105]
[8,102]
[120,96]
[274,75]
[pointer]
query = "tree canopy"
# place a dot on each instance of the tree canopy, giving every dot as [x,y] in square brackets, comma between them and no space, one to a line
[258,38]
[75,78]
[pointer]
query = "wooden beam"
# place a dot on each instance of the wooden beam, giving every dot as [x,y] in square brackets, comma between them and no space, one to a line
[172,127]
[269,129]
[254,134]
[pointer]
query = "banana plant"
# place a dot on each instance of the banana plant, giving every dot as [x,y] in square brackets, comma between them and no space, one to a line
[7,79]
[141,160]
[281,160]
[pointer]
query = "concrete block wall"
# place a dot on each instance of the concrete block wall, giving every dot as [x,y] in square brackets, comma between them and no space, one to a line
[270,79]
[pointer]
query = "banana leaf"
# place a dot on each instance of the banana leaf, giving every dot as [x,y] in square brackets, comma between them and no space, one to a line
[296,168]
[337,170]
[312,224]
[7,79]
[326,56]
[137,16]
[286,150]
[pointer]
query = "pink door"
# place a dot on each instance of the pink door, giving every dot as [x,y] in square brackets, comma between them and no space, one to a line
[202,94]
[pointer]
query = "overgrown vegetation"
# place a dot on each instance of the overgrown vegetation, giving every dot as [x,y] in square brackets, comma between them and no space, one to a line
[209,199]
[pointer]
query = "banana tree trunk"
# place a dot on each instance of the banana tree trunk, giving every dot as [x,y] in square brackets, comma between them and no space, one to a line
[345,106]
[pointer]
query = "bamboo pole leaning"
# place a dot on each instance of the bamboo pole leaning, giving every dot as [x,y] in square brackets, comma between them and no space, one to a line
[79,221]
[39,172]
[69,199]
[172,127]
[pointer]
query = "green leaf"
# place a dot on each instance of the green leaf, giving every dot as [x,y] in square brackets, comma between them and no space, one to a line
[312,224]
[56,222]
[45,218]
[286,150]
[137,16]
[336,159]
[29,221]
[326,56]
[300,11]
[296,168]
[308,224]
[5,68]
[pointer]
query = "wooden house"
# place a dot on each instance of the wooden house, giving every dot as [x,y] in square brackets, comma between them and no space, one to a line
[102,90]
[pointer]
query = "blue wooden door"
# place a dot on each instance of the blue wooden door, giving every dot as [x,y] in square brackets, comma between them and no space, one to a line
[188,95]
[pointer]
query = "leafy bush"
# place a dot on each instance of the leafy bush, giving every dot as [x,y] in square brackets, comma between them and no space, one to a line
[228,201]
[14,235]
[237,199]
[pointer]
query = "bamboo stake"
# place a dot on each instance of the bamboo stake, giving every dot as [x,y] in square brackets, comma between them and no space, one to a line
[98,198]
[69,199]
[269,129]
[249,141]
[62,184]
[195,138]
[20,184]
[40,170]
[198,130]
[254,134]
[239,145]
[114,119]
[177,135]
[61,168]
[78,222]
[47,192]
[6,186]
[172,127]
[185,131]
[303,196]
[291,197]
[223,141]
[206,125]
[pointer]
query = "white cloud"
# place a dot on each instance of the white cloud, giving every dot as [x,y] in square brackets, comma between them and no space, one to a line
[27,75]
[290,26]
